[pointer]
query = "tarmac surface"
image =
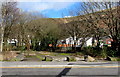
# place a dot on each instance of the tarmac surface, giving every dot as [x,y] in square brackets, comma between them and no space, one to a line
[60,69]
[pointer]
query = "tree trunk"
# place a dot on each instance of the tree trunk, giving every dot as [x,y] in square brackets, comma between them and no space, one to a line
[1,42]
[74,45]
[98,43]
[93,41]
[54,45]
[5,44]
[28,46]
[1,38]
[83,42]
[115,44]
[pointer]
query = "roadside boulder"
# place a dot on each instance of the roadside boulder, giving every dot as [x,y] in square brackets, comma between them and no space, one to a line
[59,59]
[20,57]
[88,58]
[70,58]
[85,57]
[41,57]
[48,58]
[111,58]
[77,58]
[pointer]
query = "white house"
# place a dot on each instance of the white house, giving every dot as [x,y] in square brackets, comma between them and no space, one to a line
[71,41]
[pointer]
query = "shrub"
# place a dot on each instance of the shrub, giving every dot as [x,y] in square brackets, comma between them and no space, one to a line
[21,48]
[104,52]
[91,51]
[112,53]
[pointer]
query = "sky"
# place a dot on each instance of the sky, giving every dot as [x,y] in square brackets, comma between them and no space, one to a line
[49,9]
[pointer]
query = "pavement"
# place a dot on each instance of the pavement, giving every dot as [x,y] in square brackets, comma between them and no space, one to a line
[44,64]
[60,69]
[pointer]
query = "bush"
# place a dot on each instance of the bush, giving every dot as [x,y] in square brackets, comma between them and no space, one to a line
[14,48]
[109,51]
[92,51]
[21,48]
[112,53]
[104,52]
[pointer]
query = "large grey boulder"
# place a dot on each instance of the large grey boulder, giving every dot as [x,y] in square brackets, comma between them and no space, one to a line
[111,58]
[89,58]
[70,58]
[20,57]
[85,57]
[78,59]
[48,58]
[59,58]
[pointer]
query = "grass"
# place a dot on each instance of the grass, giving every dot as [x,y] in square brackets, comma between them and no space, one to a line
[35,56]
[118,59]
[28,56]
[65,54]
[79,53]
[115,59]
[39,57]
[15,59]
[54,53]
[47,53]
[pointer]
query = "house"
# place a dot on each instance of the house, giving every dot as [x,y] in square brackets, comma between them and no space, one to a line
[70,42]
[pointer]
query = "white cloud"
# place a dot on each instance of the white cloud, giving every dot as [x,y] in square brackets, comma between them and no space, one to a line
[42,6]
[68,0]
[62,0]
[67,16]
[55,6]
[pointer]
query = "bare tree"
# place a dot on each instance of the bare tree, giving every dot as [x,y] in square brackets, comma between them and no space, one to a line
[9,13]
[103,19]
[108,15]
[91,15]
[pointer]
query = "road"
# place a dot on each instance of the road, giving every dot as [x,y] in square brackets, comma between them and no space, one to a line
[60,69]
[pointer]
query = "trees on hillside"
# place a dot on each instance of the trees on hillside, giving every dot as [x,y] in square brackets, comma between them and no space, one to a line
[15,25]
[92,21]
[98,28]
[45,31]
[96,19]
[108,18]
[26,28]
[101,19]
